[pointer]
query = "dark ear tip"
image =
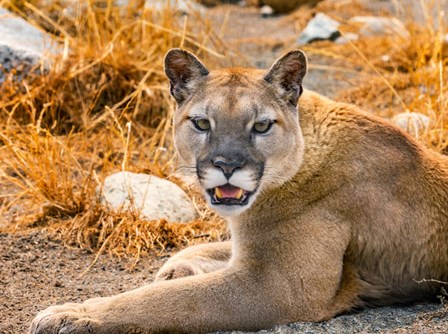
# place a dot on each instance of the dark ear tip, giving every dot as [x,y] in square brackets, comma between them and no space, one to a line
[299,54]
[175,52]
[181,57]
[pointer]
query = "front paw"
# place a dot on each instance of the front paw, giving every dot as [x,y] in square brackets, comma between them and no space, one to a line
[65,319]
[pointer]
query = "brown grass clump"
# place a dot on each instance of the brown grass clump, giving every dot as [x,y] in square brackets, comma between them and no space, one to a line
[102,105]
[112,57]
[60,187]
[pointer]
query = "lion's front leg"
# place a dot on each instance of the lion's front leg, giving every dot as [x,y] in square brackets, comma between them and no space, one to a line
[222,300]
[195,260]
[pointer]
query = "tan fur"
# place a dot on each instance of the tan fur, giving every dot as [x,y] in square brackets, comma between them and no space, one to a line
[353,213]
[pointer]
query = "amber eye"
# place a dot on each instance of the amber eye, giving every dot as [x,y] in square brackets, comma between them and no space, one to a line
[201,124]
[262,127]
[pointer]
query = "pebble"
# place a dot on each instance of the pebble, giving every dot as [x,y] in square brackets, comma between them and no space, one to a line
[321,27]
[266,11]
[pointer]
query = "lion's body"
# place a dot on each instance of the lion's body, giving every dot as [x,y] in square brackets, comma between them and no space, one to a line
[340,210]
[386,194]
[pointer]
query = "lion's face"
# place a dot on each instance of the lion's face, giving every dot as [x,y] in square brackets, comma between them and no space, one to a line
[237,130]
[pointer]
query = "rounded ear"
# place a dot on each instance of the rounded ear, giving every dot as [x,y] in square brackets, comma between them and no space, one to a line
[286,75]
[184,70]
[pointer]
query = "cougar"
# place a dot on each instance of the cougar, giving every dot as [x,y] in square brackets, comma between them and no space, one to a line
[329,208]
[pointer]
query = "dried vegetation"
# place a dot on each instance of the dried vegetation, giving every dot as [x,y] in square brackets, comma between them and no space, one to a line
[100,107]
[103,106]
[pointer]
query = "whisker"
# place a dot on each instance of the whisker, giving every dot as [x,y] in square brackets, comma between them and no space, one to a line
[186,167]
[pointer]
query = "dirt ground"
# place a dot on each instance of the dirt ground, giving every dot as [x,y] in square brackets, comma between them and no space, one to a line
[36,272]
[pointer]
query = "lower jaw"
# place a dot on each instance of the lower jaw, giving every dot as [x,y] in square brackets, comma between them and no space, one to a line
[228,211]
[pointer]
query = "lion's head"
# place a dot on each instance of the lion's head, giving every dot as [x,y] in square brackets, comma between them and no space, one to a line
[238,129]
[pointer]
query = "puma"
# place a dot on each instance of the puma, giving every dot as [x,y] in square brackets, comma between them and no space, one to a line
[330,209]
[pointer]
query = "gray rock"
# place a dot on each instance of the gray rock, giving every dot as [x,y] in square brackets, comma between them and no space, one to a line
[412,122]
[377,26]
[320,27]
[22,46]
[154,198]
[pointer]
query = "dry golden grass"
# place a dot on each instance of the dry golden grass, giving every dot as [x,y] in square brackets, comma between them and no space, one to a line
[102,106]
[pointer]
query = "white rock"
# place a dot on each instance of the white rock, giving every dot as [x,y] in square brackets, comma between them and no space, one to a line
[266,11]
[346,38]
[377,26]
[154,198]
[320,27]
[385,58]
[21,44]
[412,122]
[182,6]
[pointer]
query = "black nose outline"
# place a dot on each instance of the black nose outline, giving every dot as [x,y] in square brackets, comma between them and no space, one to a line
[228,167]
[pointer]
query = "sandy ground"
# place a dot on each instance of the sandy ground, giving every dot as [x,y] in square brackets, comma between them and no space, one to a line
[36,272]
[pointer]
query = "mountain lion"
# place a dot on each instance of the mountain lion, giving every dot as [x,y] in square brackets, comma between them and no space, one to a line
[330,209]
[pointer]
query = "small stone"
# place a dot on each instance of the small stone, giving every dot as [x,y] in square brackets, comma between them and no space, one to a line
[377,26]
[182,6]
[266,11]
[152,197]
[412,122]
[320,27]
[385,58]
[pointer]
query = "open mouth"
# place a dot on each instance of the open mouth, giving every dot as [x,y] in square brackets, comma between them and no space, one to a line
[229,195]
